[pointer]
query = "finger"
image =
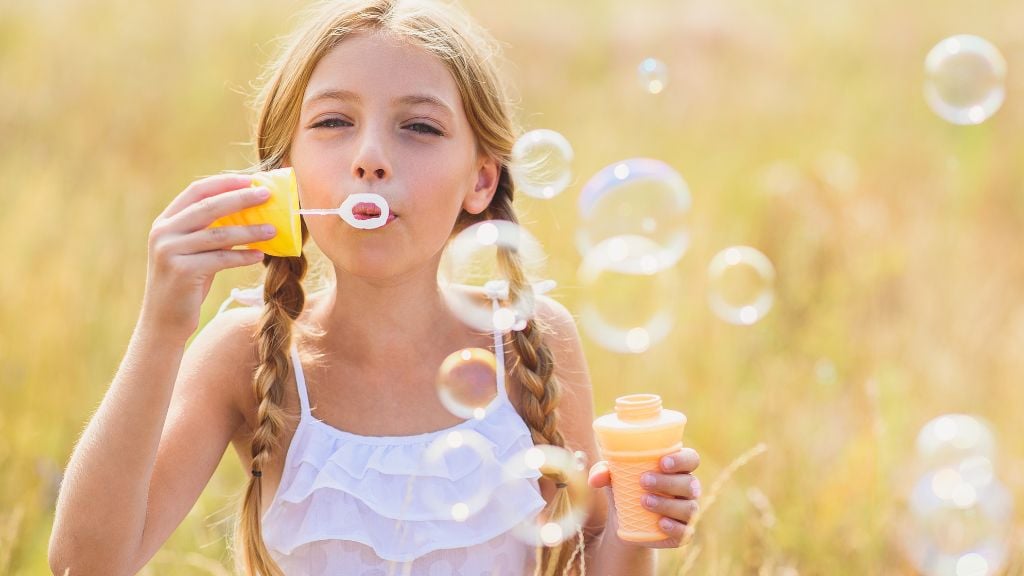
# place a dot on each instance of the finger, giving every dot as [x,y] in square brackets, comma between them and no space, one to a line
[674,508]
[681,485]
[685,461]
[216,260]
[223,237]
[204,212]
[675,530]
[599,476]
[205,188]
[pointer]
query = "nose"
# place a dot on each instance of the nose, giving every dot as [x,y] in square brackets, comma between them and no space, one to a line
[370,162]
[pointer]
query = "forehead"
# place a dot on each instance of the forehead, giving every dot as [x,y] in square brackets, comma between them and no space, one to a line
[379,67]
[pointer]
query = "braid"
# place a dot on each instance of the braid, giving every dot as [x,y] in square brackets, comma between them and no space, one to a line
[284,297]
[534,367]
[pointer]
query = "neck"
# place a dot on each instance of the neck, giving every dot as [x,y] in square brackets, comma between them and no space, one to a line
[375,322]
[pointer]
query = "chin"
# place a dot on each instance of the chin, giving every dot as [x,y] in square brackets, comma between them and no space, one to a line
[374,265]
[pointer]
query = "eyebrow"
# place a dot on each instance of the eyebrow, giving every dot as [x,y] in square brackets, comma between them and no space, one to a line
[349,96]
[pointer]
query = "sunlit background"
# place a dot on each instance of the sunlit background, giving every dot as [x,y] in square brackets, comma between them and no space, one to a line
[798,222]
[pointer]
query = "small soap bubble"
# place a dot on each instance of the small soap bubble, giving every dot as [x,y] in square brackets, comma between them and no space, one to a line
[741,285]
[965,79]
[838,170]
[559,465]
[581,459]
[467,382]
[541,164]
[471,268]
[637,197]
[825,371]
[628,301]
[653,75]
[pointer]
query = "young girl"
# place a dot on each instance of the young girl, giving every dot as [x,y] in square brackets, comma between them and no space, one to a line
[330,398]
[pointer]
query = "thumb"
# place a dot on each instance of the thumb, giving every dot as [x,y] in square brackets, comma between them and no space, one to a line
[599,475]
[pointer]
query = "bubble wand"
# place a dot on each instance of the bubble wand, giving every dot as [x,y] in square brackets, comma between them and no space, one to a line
[346,211]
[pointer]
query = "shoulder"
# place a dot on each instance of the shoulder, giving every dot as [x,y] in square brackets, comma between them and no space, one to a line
[562,338]
[554,313]
[560,334]
[230,335]
[576,404]
[225,351]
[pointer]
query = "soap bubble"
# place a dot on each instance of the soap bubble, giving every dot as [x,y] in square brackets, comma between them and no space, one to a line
[838,170]
[467,382]
[448,452]
[741,285]
[629,303]
[965,79]
[955,526]
[825,371]
[951,438]
[470,270]
[541,163]
[653,75]
[640,197]
[544,529]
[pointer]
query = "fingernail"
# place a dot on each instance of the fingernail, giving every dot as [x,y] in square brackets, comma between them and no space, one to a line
[665,524]
[667,462]
[647,480]
[268,230]
[695,488]
[262,193]
[650,501]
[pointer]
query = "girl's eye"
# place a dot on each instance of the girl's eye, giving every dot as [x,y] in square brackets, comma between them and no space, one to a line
[424,129]
[330,123]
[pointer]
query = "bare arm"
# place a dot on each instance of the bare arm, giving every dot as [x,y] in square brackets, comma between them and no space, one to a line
[101,509]
[163,424]
[151,447]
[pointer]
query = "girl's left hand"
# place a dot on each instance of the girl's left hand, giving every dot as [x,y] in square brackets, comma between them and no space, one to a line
[676,480]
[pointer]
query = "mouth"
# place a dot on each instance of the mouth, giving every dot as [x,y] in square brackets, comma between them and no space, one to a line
[366,211]
[362,216]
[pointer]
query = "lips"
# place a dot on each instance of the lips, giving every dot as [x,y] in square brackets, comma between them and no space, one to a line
[359,216]
[366,209]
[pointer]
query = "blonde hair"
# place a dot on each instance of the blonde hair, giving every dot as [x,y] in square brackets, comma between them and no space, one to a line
[469,53]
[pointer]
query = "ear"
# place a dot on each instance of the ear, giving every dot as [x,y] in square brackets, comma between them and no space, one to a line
[488,171]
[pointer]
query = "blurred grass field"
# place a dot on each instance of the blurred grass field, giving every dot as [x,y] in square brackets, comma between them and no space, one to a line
[801,129]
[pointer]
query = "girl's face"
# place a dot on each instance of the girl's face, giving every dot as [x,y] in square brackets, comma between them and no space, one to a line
[383,116]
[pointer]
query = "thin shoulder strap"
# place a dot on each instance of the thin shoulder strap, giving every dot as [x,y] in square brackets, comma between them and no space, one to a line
[300,381]
[499,353]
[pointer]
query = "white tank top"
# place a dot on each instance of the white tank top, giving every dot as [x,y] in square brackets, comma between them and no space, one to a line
[399,505]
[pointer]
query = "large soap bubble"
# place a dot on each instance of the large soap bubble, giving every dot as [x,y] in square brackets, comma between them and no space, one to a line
[638,197]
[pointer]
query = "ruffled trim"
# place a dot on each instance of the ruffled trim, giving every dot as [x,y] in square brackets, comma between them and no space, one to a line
[329,515]
[396,499]
[398,455]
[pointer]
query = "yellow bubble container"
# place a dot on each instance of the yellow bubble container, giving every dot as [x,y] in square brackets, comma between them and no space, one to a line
[281,210]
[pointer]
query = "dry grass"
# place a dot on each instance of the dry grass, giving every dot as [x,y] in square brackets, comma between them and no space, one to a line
[800,127]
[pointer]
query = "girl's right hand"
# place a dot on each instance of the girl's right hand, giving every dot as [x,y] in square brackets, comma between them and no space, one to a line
[184,254]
